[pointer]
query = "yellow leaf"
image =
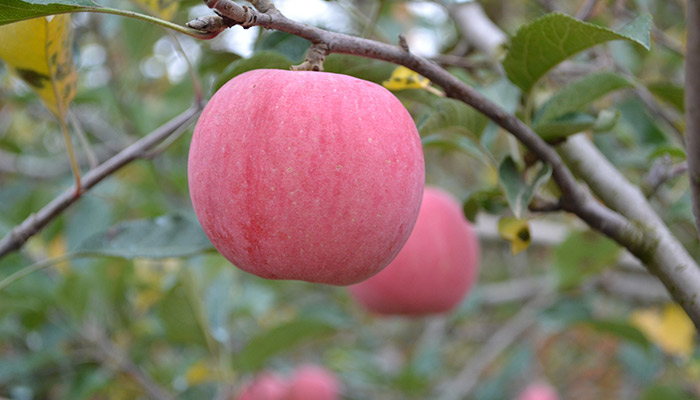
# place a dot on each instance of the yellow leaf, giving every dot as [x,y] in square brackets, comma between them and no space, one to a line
[670,329]
[516,231]
[56,248]
[39,51]
[403,78]
[165,9]
[199,373]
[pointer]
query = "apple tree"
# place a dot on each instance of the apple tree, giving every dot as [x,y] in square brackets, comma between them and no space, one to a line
[556,249]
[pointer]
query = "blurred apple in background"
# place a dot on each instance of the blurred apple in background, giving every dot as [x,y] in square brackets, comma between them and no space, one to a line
[434,270]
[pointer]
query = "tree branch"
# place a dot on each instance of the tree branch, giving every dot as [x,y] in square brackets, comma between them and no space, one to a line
[666,258]
[466,380]
[111,356]
[692,104]
[19,235]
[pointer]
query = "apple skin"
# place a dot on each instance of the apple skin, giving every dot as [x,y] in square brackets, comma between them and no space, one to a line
[538,391]
[266,386]
[434,270]
[304,175]
[311,382]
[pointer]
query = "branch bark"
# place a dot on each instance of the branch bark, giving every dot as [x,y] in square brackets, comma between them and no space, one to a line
[19,235]
[692,104]
[666,258]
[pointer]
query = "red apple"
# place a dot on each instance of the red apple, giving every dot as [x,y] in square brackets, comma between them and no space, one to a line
[434,270]
[306,175]
[311,382]
[538,391]
[266,386]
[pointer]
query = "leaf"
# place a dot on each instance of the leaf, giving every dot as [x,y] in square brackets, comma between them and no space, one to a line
[178,318]
[18,10]
[260,348]
[674,152]
[606,121]
[201,372]
[545,42]
[579,94]
[39,51]
[665,392]
[516,231]
[565,126]
[582,255]
[621,329]
[165,9]
[453,116]
[162,237]
[403,78]
[263,59]
[453,142]
[670,329]
[364,68]
[291,46]
[518,192]
[670,93]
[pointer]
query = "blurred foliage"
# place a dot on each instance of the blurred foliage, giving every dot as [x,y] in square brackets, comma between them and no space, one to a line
[147,287]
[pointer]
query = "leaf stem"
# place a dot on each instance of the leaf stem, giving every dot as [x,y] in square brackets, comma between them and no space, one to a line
[36,267]
[154,20]
[71,155]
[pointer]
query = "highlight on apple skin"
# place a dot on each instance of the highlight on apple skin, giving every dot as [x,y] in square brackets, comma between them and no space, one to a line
[266,386]
[435,269]
[538,391]
[305,175]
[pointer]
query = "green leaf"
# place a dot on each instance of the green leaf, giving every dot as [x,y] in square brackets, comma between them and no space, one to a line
[453,142]
[565,126]
[260,348]
[364,68]
[582,255]
[454,116]
[606,121]
[674,152]
[179,318]
[673,94]
[263,59]
[518,192]
[579,94]
[545,42]
[162,237]
[18,10]
[291,46]
[665,392]
[621,329]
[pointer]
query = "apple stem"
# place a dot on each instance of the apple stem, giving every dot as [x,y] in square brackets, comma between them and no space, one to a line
[314,58]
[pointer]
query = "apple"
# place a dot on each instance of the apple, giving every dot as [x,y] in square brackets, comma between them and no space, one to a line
[434,270]
[306,175]
[538,391]
[311,382]
[266,386]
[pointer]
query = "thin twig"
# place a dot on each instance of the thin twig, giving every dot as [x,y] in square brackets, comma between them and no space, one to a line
[16,238]
[661,172]
[111,356]
[80,133]
[587,7]
[467,379]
